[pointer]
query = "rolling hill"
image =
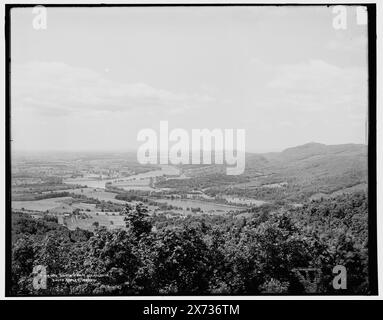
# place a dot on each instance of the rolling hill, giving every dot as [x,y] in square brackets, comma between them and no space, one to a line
[295,173]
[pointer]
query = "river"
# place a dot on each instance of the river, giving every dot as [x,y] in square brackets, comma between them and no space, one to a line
[140,181]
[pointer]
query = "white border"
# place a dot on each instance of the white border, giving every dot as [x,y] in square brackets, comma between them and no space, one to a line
[379,26]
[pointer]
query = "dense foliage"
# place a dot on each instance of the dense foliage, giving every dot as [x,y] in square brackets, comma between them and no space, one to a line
[272,251]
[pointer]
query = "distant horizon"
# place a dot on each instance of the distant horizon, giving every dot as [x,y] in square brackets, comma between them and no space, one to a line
[121,151]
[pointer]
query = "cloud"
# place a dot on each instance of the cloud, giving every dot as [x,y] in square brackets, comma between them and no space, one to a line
[55,88]
[319,86]
[344,44]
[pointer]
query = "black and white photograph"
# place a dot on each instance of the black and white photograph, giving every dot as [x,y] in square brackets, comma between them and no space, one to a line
[191,150]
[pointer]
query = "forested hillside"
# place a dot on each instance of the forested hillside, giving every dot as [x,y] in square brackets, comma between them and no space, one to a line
[273,250]
[295,174]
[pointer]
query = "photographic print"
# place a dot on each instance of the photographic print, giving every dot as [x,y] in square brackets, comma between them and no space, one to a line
[164,150]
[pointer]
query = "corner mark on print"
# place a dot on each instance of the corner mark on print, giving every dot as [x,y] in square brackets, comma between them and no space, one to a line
[40,277]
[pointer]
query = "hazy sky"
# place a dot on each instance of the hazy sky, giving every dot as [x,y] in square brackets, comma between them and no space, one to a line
[96,76]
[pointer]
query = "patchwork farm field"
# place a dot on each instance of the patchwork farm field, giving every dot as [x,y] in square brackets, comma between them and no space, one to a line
[58,205]
[98,193]
[205,206]
[72,213]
